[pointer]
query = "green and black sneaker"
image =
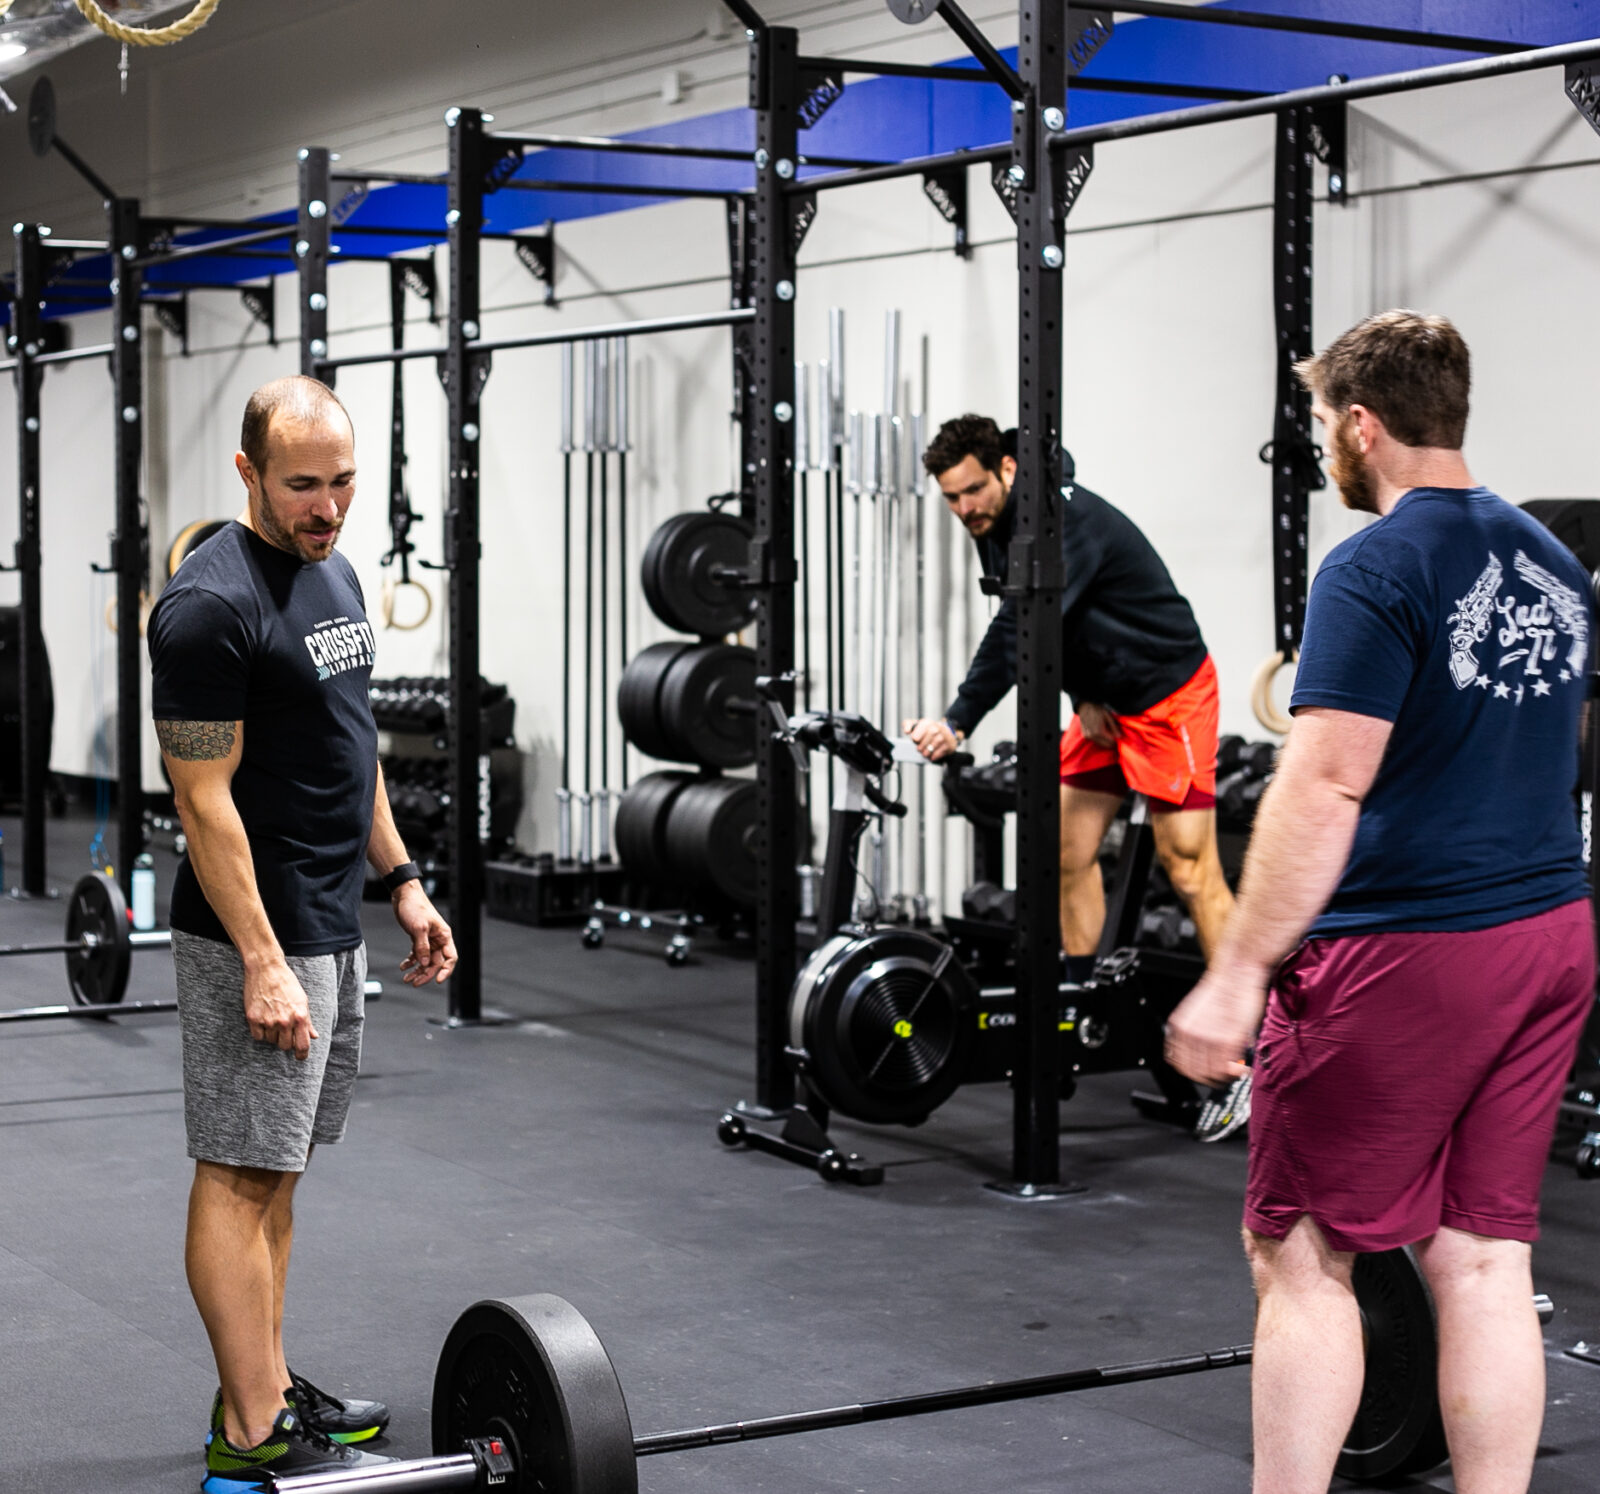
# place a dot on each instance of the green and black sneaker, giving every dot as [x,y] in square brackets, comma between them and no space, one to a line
[293,1447]
[343,1421]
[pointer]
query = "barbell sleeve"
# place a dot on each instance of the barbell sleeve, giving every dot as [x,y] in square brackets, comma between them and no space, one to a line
[802,418]
[827,433]
[619,399]
[459,1471]
[891,361]
[566,397]
[589,369]
[836,365]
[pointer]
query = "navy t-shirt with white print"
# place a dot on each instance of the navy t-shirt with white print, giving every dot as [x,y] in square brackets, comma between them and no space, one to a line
[1466,623]
[248,632]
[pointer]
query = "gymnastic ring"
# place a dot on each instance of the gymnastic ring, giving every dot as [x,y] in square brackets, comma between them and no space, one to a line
[144,612]
[386,605]
[1261,702]
[147,36]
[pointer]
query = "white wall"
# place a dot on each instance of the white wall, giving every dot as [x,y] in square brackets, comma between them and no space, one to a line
[1170,339]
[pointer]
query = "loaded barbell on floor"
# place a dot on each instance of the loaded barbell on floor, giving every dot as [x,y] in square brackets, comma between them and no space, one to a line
[525,1398]
[99,944]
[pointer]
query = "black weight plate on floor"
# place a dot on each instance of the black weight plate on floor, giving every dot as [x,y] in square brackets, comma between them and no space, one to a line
[677,568]
[711,831]
[1398,1428]
[639,700]
[706,706]
[885,1039]
[640,828]
[98,976]
[531,1372]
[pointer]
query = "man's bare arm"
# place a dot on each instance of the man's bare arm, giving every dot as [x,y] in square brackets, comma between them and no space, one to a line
[201,758]
[385,849]
[433,948]
[1303,834]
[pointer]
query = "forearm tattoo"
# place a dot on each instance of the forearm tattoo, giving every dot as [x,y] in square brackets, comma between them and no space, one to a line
[196,741]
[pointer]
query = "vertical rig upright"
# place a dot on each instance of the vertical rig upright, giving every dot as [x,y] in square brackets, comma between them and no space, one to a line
[33,674]
[1295,469]
[1034,577]
[769,416]
[313,245]
[464,374]
[130,547]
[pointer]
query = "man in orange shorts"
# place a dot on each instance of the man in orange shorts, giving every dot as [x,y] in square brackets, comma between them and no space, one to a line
[1132,660]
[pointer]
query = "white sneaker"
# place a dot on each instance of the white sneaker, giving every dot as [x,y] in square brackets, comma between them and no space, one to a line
[1226,1111]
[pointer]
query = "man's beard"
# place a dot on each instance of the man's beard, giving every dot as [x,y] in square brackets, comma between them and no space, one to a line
[1348,469]
[275,534]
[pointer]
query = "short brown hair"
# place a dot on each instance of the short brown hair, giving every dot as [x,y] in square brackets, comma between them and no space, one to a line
[966,435]
[298,398]
[1411,370]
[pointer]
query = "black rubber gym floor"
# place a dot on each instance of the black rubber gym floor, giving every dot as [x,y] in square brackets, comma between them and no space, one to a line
[574,1152]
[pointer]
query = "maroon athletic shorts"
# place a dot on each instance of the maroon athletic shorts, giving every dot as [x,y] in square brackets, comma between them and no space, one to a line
[1408,1081]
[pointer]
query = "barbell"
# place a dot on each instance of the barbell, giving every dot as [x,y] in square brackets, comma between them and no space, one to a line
[99,944]
[526,1398]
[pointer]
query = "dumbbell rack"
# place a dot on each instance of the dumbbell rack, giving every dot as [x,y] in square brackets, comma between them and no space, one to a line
[418,782]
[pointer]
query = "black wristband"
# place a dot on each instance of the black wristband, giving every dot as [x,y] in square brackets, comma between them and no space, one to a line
[407,871]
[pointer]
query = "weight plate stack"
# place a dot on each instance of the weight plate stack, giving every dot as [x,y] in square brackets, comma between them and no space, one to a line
[691,703]
[708,705]
[98,972]
[1398,1428]
[641,826]
[710,838]
[532,1373]
[639,700]
[678,573]
[886,1022]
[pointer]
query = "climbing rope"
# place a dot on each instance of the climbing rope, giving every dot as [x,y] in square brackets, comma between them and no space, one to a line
[143,36]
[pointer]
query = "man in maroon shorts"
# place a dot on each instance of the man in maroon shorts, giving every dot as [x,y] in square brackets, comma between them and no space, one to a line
[1414,902]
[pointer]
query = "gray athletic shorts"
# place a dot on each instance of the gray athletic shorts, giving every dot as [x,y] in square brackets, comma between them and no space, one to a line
[248,1103]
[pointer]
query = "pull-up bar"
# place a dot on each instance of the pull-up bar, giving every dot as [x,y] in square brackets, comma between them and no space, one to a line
[1305,25]
[732,318]
[604,145]
[65,355]
[1182,119]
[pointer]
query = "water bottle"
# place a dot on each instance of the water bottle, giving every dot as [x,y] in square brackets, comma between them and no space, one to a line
[144,893]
